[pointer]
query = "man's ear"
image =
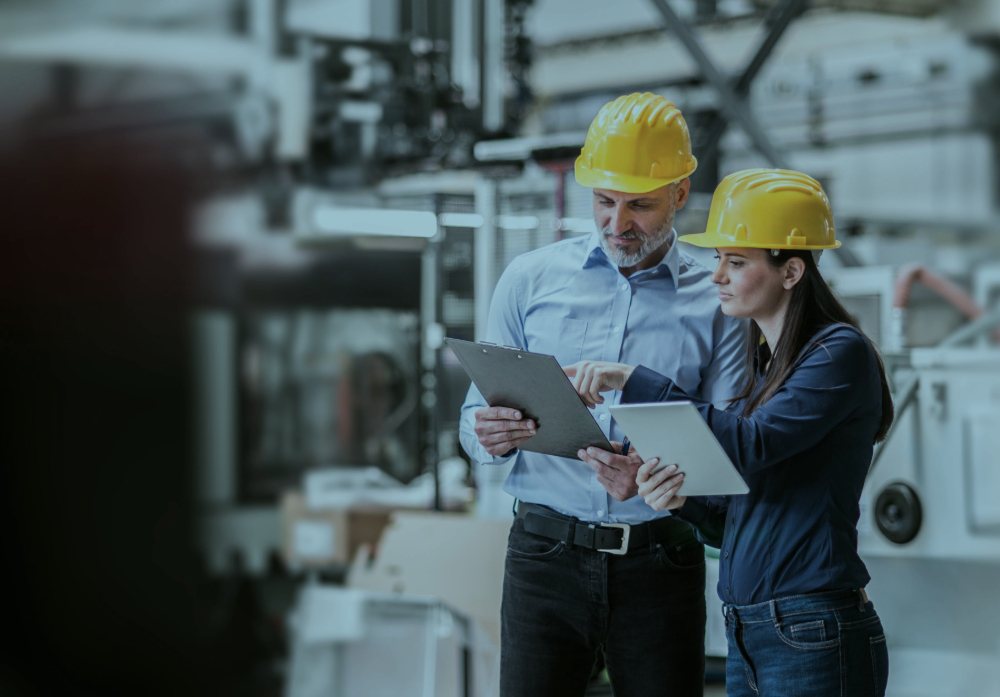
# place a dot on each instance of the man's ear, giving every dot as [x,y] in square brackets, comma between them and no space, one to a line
[795,269]
[682,190]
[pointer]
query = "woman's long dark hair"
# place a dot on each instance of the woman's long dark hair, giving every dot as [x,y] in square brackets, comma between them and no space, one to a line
[812,307]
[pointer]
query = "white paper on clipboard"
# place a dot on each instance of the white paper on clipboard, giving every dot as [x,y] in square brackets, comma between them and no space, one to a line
[677,434]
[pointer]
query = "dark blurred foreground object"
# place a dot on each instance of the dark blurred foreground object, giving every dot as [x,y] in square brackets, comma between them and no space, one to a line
[103,592]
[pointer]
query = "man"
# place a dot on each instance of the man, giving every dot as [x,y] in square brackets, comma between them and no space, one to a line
[573,585]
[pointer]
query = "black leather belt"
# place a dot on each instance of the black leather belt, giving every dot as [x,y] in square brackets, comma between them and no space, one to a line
[614,538]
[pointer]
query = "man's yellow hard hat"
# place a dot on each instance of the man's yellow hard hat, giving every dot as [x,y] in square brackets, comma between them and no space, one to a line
[636,143]
[768,209]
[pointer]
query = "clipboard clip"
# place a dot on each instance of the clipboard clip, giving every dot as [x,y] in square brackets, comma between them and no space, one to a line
[488,343]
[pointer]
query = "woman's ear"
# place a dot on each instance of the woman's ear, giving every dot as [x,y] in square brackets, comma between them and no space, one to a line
[795,269]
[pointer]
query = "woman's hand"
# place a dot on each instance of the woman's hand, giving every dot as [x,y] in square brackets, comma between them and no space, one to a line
[659,489]
[590,378]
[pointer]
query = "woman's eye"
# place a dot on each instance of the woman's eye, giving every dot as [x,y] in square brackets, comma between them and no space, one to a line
[716,256]
[736,264]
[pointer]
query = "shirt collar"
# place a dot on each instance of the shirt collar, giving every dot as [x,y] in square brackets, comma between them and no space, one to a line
[671,261]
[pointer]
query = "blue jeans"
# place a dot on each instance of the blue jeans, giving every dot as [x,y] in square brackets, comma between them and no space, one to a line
[827,644]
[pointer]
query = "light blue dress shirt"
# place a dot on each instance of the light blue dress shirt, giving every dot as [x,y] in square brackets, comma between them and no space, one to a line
[569,300]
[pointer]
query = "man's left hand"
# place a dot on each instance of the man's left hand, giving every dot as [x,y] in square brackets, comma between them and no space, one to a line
[615,472]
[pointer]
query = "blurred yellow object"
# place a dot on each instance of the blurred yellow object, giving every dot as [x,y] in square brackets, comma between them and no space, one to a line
[768,209]
[636,143]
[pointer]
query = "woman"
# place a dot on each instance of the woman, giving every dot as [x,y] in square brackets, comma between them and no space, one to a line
[801,433]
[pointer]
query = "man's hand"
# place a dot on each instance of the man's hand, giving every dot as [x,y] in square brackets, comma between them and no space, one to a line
[615,473]
[659,489]
[590,378]
[500,429]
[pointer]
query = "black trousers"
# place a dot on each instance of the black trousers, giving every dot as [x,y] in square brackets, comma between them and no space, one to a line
[645,611]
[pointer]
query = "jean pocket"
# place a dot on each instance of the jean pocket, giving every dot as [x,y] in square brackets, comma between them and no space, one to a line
[880,664]
[524,545]
[684,557]
[813,632]
[809,632]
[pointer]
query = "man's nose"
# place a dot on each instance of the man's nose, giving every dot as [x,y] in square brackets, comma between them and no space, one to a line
[621,220]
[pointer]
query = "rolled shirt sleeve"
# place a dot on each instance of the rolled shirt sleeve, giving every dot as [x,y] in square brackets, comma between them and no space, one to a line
[505,327]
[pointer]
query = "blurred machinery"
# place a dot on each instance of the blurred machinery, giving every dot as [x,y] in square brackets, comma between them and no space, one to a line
[355,642]
[323,345]
[340,91]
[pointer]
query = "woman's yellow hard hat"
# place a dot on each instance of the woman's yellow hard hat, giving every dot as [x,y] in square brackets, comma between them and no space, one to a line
[768,209]
[636,143]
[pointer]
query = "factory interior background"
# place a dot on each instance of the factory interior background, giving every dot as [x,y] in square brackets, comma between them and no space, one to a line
[236,234]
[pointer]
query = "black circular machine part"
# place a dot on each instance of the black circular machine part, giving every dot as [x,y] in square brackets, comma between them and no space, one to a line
[898,513]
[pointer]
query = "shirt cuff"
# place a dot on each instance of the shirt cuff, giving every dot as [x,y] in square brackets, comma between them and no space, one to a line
[645,385]
[499,459]
[693,511]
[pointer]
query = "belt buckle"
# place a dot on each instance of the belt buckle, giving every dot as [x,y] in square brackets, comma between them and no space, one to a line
[626,531]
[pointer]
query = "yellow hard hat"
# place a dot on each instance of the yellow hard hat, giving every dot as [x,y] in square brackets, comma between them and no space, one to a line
[768,209]
[637,143]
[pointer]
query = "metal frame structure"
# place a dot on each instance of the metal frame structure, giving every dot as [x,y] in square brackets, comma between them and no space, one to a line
[733,94]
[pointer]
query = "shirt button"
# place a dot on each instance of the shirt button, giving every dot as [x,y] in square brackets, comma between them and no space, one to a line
[624,286]
[726,555]
[604,417]
[728,592]
[617,328]
[600,512]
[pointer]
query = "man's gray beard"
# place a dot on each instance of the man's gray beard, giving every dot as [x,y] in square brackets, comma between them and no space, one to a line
[625,260]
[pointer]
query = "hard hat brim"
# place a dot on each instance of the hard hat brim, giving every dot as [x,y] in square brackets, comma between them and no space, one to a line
[625,183]
[710,240]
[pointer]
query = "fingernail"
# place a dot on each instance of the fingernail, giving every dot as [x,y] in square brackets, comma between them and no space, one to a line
[531,425]
[531,431]
[671,468]
[655,461]
[517,415]
[580,453]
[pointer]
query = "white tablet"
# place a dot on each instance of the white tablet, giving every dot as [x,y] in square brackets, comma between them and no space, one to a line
[676,433]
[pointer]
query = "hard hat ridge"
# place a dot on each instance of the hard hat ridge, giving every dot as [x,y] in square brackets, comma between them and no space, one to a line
[769,209]
[637,143]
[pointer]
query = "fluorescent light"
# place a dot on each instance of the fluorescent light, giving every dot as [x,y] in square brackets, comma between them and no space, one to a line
[577,224]
[516,222]
[362,112]
[473,220]
[355,222]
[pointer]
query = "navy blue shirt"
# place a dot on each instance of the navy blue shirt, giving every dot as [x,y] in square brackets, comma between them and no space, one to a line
[804,455]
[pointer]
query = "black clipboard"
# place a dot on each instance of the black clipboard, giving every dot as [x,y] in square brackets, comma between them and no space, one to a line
[534,384]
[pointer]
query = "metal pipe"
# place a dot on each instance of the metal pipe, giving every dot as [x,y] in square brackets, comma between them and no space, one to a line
[912,273]
[777,20]
[971,331]
[907,396]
